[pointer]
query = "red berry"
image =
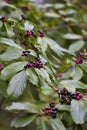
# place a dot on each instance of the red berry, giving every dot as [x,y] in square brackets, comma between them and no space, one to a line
[77,97]
[49,111]
[78,61]
[59,74]
[47,108]
[46,113]
[28,33]
[53,102]
[31,65]
[82,55]
[23,54]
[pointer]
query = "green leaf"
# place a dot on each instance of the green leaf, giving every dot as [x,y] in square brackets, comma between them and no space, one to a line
[47,90]
[12,69]
[67,12]
[17,84]
[3,88]
[57,124]
[58,5]
[33,77]
[63,107]
[78,111]
[43,125]
[52,15]
[44,6]
[43,74]
[68,19]
[47,42]
[22,120]
[10,54]
[84,66]
[76,46]
[1,24]
[43,43]
[9,30]
[28,26]
[9,42]
[71,85]
[3,4]
[71,36]
[26,106]
[33,53]
[77,73]
[16,14]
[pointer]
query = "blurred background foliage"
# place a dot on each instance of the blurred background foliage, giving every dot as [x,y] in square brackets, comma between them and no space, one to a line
[65,21]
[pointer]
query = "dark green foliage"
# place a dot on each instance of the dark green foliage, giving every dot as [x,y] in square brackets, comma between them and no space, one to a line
[43,81]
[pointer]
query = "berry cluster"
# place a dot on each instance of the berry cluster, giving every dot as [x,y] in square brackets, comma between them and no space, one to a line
[25,53]
[37,64]
[81,58]
[3,19]
[31,33]
[1,68]
[65,97]
[51,110]
[78,95]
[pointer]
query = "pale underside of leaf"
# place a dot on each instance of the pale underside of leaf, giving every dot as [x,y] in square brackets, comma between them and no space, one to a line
[17,84]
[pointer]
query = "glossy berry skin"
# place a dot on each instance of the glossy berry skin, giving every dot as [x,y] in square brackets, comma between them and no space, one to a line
[78,95]
[51,110]
[65,97]
[78,61]
[28,33]
[82,55]
[35,64]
